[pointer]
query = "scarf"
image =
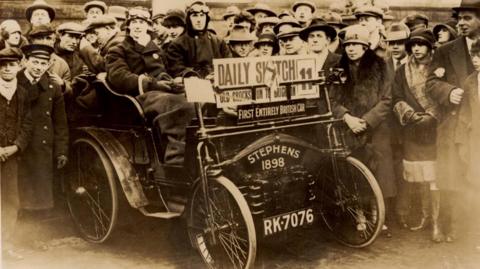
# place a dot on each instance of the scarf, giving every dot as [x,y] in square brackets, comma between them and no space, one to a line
[8,88]
[416,74]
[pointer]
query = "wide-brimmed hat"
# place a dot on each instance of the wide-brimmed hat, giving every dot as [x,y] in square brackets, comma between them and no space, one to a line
[310,4]
[139,12]
[292,22]
[268,38]
[10,54]
[294,31]
[37,50]
[231,11]
[356,34]
[397,31]
[118,12]
[261,7]
[239,34]
[10,26]
[41,30]
[40,4]
[422,36]
[468,5]
[450,25]
[318,24]
[100,21]
[368,10]
[100,4]
[334,19]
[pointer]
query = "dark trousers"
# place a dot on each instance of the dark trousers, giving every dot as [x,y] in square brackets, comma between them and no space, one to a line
[9,198]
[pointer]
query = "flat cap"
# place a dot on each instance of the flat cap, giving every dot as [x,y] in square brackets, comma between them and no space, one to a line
[99,4]
[261,7]
[368,10]
[286,22]
[41,30]
[100,21]
[268,20]
[10,54]
[40,4]
[304,3]
[294,31]
[239,34]
[71,28]
[333,18]
[37,50]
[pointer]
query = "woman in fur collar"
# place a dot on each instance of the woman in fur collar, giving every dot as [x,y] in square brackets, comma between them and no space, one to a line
[364,103]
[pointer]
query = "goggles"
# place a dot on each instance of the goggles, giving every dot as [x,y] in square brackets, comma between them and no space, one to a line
[199,9]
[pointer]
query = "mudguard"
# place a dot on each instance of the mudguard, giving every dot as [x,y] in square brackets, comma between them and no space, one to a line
[118,155]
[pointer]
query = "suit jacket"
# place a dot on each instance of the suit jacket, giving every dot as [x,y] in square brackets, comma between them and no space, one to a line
[450,67]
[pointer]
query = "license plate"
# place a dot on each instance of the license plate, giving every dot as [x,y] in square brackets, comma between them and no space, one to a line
[283,222]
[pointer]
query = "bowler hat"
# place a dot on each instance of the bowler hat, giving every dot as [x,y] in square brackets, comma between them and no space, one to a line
[396,32]
[71,28]
[290,21]
[318,24]
[356,34]
[450,25]
[261,7]
[100,21]
[468,5]
[10,54]
[310,4]
[371,11]
[422,36]
[231,11]
[100,4]
[40,4]
[41,30]
[37,50]
[118,12]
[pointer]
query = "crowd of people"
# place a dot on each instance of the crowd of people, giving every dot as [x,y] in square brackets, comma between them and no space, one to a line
[411,97]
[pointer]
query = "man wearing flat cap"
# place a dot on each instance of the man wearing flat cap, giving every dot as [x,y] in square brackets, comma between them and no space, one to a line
[266,25]
[59,69]
[229,15]
[93,9]
[450,67]
[261,10]
[15,134]
[40,13]
[136,67]
[48,149]
[290,42]
[67,46]
[108,35]
[415,21]
[304,11]
[372,18]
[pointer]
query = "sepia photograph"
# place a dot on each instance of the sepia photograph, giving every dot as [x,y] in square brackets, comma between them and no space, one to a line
[242,134]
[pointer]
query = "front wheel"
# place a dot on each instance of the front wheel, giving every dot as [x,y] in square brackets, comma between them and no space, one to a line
[226,239]
[351,202]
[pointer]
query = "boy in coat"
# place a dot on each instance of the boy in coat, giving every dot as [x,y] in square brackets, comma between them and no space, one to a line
[48,148]
[15,133]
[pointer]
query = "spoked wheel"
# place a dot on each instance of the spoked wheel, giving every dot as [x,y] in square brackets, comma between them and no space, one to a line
[230,241]
[352,205]
[91,191]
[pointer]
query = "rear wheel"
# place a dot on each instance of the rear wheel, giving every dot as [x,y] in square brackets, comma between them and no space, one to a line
[230,241]
[351,202]
[91,191]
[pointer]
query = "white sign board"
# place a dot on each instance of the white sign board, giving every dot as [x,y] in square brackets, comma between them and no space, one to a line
[235,79]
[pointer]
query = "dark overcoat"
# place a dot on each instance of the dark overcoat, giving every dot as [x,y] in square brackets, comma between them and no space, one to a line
[367,94]
[450,67]
[49,141]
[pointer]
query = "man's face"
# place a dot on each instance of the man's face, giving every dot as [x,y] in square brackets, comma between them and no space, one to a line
[292,44]
[69,41]
[265,49]
[175,31]
[468,23]
[158,27]
[230,21]
[397,49]
[354,51]
[40,16]
[370,22]
[317,41]
[199,21]
[260,15]
[9,70]
[242,48]
[420,51]
[267,28]
[138,27]
[102,34]
[94,12]
[443,36]
[303,13]
[48,40]
[476,61]
[246,25]
[14,39]
[36,66]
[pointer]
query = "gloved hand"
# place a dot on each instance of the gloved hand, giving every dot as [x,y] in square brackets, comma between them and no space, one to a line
[163,85]
[61,161]
[425,120]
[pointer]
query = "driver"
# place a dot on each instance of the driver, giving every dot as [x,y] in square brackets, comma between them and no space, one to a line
[135,67]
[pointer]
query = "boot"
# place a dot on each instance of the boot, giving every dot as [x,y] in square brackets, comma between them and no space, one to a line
[437,235]
[454,209]
[424,200]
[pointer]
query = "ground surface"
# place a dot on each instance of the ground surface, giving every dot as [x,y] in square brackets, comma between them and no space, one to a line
[150,243]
